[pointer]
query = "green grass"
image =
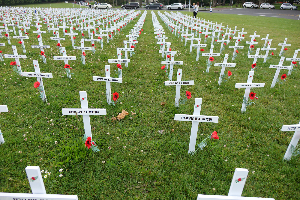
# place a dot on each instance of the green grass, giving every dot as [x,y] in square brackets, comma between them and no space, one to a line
[144,163]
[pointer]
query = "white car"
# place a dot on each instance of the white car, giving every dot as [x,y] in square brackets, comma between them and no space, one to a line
[288,6]
[175,6]
[267,6]
[102,6]
[250,5]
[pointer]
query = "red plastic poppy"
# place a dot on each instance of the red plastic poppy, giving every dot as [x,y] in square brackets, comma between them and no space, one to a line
[283,76]
[252,95]
[168,56]
[93,45]
[74,37]
[58,44]
[67,66]
[115,96]
[253,65]
[211,59]
[36,84]
[214,135]
[201,49]
[285,49]
[229,73]
[99,38]
[82,34]
[252,46]
[225,44]
[272,54]
[163,67]
[38,36]
[6,35]
[119,66]
[170,49]
[254,40]
[88,142]
[42,53]
[13,62]
[236,51]
[83,54]
[132,46]
[20,42]
[66,31]
[188,94]
[294,62]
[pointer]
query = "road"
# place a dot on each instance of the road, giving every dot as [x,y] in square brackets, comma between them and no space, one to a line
[287,14]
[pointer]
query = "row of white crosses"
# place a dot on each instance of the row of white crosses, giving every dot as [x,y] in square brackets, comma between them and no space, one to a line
[158,30]
[236,188]
[37,186]
[3,108]
[108,79]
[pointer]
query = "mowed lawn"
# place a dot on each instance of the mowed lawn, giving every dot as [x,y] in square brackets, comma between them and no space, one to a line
[144,156]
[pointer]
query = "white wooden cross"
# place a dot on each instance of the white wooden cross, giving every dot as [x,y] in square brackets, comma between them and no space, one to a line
[252,41]
[21,37]
[119,52]
[195,118]
[71,34]
[278,68]
[236,188]
[283,45]
[7,32]
[108,80]
[178,84]
[41,46]
[3,108]
[210,54]
[162,49]
[16,57]
[198,45]
[266,39]
[57,38]
[38,190]
[224,65]
[171,62]
[293,59]
[1,57]
[267,49]
[83,48]
[222,43]
[293,144]
[85,111]
[256,56]
[92,40]
[39,77]
[248,87]
[235,47]
[66,59]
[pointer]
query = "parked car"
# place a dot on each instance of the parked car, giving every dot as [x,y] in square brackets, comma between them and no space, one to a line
[267,6]
[131,5]
[102,6]
[288,6]
[154,6]
[175,6]
[250,5]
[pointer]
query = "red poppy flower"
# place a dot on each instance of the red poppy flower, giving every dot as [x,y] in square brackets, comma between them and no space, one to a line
[163,67]
[272,54]
[74,37]
[168,56]
[66,31]
[36,84]
[239,179]
[82,34]
[13,62]
[132,46]
[42,53]
[254,40]
[109,36]
[285,49]
[99,38]
[27,33]
[115,96]
[33,178]
[243,35]
[252,46]
[38,36]
[83,54]
[230,38]
[211,59]
[6,35]
[294,62]
[118,29]
[170,49]
[20,42]
[236,51]
[206,36]
[283,76]
[73,28]
[229,73]
[252,95]
[88,142]
[201,49]
[188,94]
[214,135]
[58,44]
[224,43]
[93,45]
[253,65]
[67,66]
[0,51]
[97,29]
